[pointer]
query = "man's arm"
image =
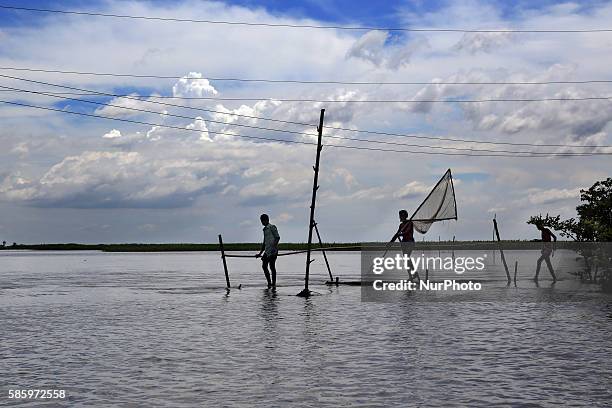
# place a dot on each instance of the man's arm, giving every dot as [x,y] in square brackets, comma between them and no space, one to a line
[276,238]
[263,247]
[397,234]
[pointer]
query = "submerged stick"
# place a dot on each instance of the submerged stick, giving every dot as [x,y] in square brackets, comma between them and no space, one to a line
[501,251]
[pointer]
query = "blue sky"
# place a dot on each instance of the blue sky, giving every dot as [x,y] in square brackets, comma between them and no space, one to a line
[371,13]
[68,178]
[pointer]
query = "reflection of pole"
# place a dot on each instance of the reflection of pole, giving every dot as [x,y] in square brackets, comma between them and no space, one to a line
[315,187]
[501,251]
[331,278]
[227,281]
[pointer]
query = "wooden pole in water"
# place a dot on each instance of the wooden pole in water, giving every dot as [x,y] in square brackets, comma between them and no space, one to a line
[515,269]
[315,187]
[227,281]
[331,278]
[501,251]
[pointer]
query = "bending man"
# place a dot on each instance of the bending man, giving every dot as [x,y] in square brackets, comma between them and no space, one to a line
[405,233]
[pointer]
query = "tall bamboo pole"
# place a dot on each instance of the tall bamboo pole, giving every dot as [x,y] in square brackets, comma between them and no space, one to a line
[315,187]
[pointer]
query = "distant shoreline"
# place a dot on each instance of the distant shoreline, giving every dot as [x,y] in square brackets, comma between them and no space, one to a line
[252,246]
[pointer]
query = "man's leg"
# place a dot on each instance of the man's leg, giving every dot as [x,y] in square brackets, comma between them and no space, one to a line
[264,266]
[540,259]
[272,260]
[407,251]
[550,268]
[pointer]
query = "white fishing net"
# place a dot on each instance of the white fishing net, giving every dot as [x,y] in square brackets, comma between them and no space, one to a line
[439,205]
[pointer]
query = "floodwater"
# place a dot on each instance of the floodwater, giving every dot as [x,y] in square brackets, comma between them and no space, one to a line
[159,330]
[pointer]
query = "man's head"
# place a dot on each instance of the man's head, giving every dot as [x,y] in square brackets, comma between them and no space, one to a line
[265,220]
[403,214]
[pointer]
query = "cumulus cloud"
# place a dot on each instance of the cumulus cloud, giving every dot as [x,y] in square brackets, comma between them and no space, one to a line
[200,124]
[113,134]
[115,179]
[193,85]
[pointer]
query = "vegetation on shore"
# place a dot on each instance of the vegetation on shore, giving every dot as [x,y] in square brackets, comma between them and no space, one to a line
[134,247]
[256,246]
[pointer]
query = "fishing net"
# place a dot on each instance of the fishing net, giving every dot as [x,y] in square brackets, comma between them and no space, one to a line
[440,205]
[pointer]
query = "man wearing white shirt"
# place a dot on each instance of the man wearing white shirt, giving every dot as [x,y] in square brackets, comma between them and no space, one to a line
[269,249]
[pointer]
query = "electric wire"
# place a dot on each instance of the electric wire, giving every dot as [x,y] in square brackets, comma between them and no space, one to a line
[561,154]
[283,130]
[90,92]
[308,82]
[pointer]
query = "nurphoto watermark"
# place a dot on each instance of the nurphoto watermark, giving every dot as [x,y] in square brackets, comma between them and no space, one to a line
[392,272]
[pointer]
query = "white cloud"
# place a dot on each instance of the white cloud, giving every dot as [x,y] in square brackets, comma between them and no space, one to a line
[193,85]
[412,190]
[200,124]
[113,134]
[230,175]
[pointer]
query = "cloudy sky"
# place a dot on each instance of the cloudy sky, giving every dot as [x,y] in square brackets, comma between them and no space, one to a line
[184,173]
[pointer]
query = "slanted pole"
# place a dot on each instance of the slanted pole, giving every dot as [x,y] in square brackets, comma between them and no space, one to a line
[501,251]
[227,281]
[315,187]
[331,278]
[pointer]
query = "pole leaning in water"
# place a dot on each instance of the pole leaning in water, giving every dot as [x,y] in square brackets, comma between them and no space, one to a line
[331,277]
[227,281]
[315,187]
[501,250]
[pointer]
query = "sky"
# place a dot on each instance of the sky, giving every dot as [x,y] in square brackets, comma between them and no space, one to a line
[69,178]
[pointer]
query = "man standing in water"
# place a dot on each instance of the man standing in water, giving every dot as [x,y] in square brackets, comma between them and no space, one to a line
[547,250]
[405,233]
[269,248]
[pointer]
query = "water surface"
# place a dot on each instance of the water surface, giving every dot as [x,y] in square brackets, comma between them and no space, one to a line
[160,330]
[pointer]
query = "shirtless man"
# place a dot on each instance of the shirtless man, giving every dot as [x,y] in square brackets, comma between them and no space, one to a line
[547,250]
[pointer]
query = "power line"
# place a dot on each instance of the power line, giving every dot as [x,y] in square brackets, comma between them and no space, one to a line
[446,139]
[88,92]
[295,81]
[390,101]
[312,26]
[296,141]
[290,131]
